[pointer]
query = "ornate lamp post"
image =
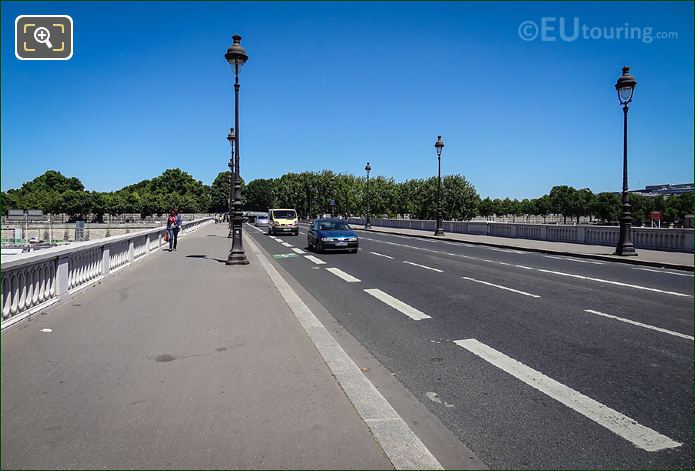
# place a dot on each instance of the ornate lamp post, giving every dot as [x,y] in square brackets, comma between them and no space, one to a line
[230,138]
[236,56]
[368,168]
[625,87]
[439,145]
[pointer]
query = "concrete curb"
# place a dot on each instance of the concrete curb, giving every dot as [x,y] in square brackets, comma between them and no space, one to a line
[628,260]
[402,447]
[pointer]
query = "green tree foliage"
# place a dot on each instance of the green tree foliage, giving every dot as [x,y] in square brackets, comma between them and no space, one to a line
[260,195]
[563,200]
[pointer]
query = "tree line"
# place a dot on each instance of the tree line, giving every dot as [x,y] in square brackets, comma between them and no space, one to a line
[311,194]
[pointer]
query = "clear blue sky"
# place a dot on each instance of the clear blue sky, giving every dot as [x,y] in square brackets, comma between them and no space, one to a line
[334,85]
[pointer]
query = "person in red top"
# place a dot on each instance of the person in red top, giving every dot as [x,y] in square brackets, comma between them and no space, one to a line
[171,232]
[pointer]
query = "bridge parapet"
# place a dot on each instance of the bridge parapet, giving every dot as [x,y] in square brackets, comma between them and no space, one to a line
[667,239]
[35,280]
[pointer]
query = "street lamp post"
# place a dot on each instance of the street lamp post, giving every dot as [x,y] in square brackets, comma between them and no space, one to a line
[439,145]
[625,87]
[368,168]
[230,138]
[236,56]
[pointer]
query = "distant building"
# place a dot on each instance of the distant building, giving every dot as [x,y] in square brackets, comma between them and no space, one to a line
[666,189]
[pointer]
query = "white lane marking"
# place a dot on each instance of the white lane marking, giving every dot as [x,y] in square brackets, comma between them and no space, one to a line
[295,249]
[398,304]
[423,266]
[664,271]
[382,255]
[599,280]
[286,244]
[458,243]
[501,287]
[341,274]
[505,250]
[643,437]
[402,447]
[254,227]
[617,283]
[46,330]
[574,260]
[646,326]
[317,261]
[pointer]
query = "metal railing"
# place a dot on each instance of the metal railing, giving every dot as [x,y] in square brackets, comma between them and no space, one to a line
[35,280]
[666,239]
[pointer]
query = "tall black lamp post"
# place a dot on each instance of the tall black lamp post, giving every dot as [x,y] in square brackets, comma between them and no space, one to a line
[439,145]
[236,56]
[230,138]
[368,168]
[625,87]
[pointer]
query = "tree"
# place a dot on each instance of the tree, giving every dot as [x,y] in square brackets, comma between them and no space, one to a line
[584,203]
[76,204]
[563,200]
[98,205]
[460,200]
[606,207]
[542,206]
[219,193]
[486,208]
[261,194]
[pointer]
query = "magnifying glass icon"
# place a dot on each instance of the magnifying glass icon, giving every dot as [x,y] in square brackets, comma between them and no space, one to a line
[43,36]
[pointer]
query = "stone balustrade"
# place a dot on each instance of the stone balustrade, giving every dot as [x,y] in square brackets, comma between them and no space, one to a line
[671,240]
[35,280]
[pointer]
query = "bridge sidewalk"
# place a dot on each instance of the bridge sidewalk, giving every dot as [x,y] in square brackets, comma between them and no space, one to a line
[654,258]
[176,362]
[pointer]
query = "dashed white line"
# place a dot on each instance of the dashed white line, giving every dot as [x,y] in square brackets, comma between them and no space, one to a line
[286,244]
[501,287]
[295,249]
[382,255]
[575,260]
[423,266]
[627,428]
[341,274]
[617,283]
[506,250]
[398,304]
[599,280]
[646,326]
[317,261]
[665,272]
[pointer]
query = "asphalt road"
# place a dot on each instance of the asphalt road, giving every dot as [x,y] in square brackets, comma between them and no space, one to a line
[560,362]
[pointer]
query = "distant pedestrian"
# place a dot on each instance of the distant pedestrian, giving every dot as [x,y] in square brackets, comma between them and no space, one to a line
[177,227]
[171,225]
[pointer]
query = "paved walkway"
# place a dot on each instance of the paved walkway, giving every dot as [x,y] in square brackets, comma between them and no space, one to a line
[178,361]
[654,258]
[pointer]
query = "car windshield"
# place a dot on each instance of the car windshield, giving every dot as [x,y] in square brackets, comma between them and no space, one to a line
[262,217]
[333,226]
[284,214]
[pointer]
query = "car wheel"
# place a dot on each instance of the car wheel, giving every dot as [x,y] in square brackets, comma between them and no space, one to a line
[319,248]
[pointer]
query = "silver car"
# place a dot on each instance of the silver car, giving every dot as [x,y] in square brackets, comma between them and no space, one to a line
[261,221]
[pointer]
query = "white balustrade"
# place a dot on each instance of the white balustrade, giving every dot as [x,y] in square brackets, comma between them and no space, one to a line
[673,240]
[35,280]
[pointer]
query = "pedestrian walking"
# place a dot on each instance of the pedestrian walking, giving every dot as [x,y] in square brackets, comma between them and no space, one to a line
[171,224]
[177,227]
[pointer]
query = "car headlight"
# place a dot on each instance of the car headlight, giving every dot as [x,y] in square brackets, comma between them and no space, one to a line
[352,239]
[326,239]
